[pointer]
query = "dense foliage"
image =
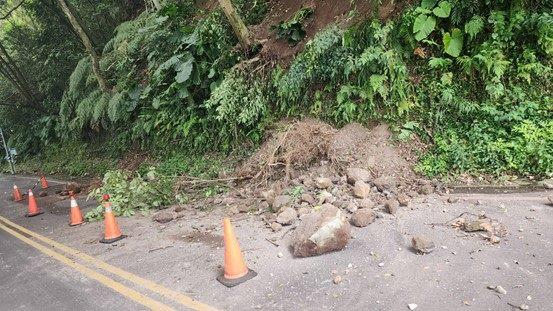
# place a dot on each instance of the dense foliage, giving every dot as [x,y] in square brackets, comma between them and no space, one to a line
[472,78]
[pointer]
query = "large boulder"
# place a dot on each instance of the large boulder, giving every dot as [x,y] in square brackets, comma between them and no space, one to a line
[321,231]
[355,174]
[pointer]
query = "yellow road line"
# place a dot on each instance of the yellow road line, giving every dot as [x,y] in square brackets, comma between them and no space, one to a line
[118,287]
[154,287]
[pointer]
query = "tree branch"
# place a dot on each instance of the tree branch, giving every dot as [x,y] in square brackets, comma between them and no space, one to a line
[10,11]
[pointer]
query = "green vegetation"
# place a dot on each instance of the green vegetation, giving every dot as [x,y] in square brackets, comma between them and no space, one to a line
[471,78]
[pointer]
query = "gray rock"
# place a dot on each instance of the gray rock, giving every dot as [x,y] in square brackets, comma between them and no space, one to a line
[163,216]
[452,200]
[403,199]
[422,245]
[326,197]
[323,182]
[546,183]
[355,174]
[426,189]
[363,217]
[321,231]
[303,210]
[385,183]
[391,206]
[228,201]
[361,189]
[287,216]
[351,207]
[366,203]
[275,226]
[280,201]
[306,197]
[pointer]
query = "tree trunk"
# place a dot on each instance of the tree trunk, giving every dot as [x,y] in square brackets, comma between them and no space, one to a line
[157,4]
[73,19]
[238,25]
[10,70]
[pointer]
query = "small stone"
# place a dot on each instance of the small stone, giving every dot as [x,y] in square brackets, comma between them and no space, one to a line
[403,199]
[43,194]
[422,245]
[303,211]
[326,197]
[279,255]
[163,216]
[412,306]
[426,189]
[381,264]
[365,203]
[452,200]
[363,217]
[287,216]
[337,279]
[351,207]
[361,189]
[546,183]
[391,206]
[528,297]
[323,182]
[355,174]
[306,197]
[280,201]
[524,307]
[276,226]
[385,183]
[498,289]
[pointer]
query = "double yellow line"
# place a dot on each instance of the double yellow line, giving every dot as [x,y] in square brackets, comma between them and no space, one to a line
[134,295]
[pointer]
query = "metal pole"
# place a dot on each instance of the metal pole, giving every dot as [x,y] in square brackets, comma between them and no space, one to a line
[8,153]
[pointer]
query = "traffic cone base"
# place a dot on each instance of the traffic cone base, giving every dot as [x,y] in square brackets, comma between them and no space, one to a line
[233,282]
[76,224]
[109,241]
[34,214]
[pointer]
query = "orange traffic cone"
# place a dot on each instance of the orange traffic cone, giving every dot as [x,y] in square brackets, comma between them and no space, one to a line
[75,215]
[236,271]
[33,209]
[112,231]
[43,182]
[17,197]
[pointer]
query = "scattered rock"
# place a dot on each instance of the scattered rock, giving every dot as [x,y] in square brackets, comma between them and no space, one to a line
[180,208]
[303,211]
[287,216]
[323,183]
[233,210]
[426,189]
[280,201]
[391,206]
[306,197]
[326,197]
[73,187]
[412,306]
[546,183]
[524,307]
[480,224]
[337,279]
[550,198]
[228,201]
[351,207]
[163,216]
[275,226]
[321,231]
[422,245]
[361,189]
[403,199]
[452,200]
[43,194]
[355,174]
[365,203]
[363,217]
[279,255]
[498,289]
[385,183]
[269,196]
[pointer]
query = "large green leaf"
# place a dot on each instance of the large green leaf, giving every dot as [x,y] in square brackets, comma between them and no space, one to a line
[443,9]
[453,43]
[184,70]
[428,4]
[423,26]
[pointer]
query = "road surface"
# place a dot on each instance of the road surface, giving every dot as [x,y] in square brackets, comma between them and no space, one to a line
[175,265]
